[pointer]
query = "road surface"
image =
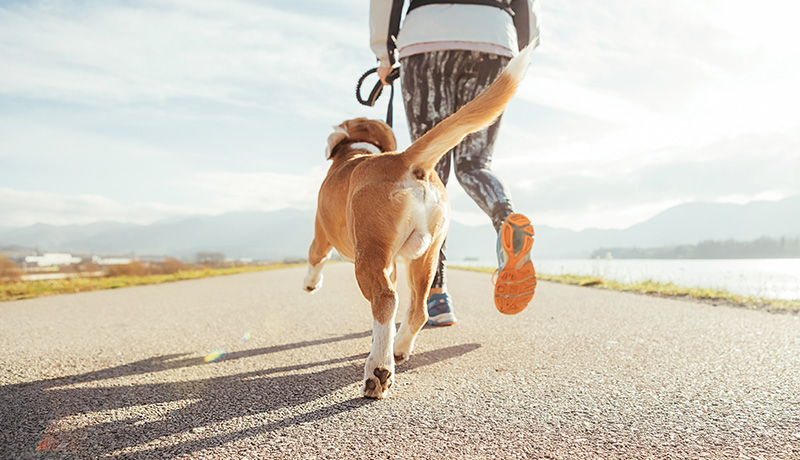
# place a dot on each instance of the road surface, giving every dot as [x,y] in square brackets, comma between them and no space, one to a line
[582,373]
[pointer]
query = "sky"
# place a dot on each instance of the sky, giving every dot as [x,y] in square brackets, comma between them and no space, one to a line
[138,111]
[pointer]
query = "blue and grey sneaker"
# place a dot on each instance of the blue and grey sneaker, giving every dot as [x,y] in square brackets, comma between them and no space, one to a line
[440,310]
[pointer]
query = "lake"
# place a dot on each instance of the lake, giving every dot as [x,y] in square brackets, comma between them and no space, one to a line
[765,278]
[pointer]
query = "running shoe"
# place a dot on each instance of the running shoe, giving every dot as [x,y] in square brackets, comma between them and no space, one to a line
[516,278]
[440,310]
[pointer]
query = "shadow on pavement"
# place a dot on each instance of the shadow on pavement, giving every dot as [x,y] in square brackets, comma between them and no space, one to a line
[47,419]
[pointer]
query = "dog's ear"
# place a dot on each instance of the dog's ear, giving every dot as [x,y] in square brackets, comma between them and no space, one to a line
[339,134]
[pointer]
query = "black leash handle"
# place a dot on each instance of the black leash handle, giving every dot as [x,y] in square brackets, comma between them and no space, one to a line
[377,90]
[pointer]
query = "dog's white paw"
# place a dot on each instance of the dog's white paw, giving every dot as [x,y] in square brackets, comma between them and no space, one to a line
[312,285]
[376,386]
[403,344]
[402,351]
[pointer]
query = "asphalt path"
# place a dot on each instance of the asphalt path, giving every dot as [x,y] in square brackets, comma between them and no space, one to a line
[582,373]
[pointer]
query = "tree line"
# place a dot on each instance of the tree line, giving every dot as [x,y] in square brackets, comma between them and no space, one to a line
[762,248]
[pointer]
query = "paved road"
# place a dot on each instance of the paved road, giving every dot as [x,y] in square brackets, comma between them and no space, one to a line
[582,373]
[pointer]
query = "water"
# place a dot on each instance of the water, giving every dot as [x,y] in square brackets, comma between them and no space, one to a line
[765,278]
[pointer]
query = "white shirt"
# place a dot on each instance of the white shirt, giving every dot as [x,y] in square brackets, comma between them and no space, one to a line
[439,27]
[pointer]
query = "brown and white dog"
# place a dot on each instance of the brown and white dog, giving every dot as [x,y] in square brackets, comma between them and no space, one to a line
[377,205]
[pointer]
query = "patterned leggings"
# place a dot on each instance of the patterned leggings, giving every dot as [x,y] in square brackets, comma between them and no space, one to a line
[435,85]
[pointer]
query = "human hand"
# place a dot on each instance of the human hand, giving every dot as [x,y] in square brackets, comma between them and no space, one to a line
[384,72]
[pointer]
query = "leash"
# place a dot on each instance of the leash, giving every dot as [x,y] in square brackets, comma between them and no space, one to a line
[377,90]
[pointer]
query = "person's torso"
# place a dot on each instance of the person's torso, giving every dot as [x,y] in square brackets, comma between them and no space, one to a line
[439,27]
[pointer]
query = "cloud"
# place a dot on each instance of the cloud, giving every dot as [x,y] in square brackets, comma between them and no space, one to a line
[218,193]
[262,191]
[20,208]
[578,99]
[622,191]
[711,64]
[134,110]
[211,193]
[653,104]
[234,53]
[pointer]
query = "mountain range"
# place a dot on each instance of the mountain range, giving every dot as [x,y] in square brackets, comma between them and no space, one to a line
[286,234]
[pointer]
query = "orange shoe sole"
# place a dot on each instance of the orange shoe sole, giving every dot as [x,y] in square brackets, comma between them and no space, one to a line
[516,282]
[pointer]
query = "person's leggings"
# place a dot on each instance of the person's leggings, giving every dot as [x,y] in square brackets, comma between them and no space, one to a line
[435,85]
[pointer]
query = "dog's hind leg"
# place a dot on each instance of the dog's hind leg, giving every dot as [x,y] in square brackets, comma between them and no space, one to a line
[317,256]
[374,279]
[420,276]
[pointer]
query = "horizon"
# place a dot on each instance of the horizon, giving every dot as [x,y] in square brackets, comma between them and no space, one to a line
[137,113]
[482,224]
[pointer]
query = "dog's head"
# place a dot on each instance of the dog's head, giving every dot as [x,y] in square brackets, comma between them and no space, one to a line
[374,132]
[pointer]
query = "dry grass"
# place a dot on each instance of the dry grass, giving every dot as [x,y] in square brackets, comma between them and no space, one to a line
[129,276]
[8,270]
[668,290]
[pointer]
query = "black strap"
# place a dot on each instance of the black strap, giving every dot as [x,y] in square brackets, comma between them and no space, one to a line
[495,3]
[377,90]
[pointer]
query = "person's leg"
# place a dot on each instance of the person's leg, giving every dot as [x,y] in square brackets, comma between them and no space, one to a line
[472,160]
[473,169]
[473,156]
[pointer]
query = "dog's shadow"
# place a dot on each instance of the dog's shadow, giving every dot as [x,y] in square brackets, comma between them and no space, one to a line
[55,417]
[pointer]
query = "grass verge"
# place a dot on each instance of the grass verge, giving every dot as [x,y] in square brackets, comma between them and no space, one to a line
[30,289]
[667,290]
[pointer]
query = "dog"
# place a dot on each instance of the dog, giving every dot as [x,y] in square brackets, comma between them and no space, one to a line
[376,206]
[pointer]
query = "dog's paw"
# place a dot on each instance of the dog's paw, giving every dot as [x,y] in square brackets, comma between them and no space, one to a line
[312,285]
[377,387]
[403,346]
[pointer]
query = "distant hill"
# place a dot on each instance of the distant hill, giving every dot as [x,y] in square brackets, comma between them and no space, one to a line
[269,236]
[686,224]
[695,222]
[15,252]
[287,233]
[762,248]
[51,237]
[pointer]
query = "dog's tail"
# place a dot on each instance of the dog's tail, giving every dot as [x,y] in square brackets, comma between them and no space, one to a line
[476,115]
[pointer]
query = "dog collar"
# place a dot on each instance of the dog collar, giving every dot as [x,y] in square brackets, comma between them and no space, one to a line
[368,146]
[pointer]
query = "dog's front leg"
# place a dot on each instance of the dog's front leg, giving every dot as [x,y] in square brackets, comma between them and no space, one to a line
[318,254]
[376,285]
[313,279]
